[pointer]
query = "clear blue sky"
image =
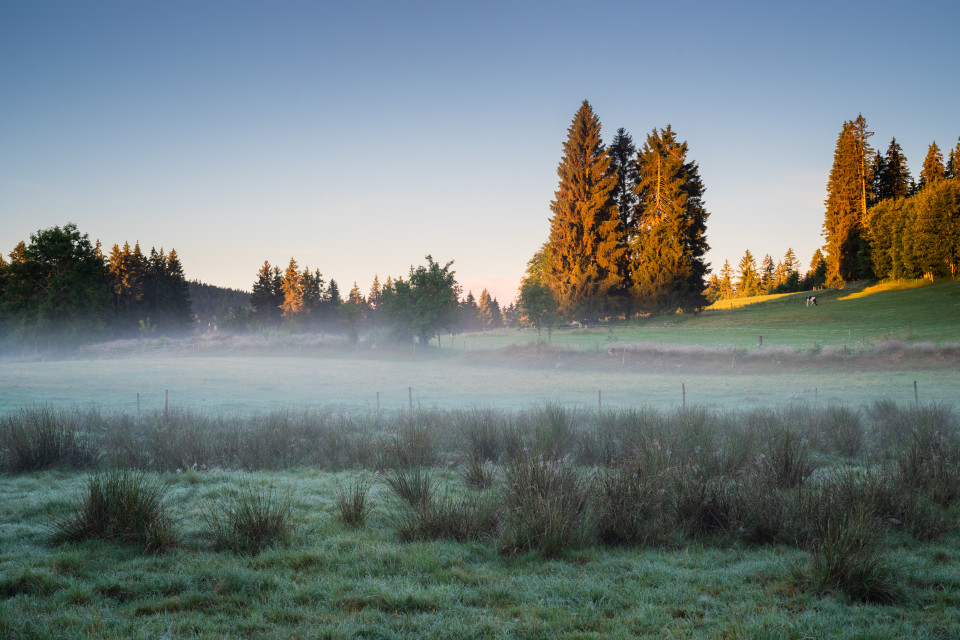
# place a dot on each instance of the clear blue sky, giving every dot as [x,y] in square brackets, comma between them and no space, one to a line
[358,137]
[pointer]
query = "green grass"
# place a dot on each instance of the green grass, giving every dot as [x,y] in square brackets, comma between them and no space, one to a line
[339,582]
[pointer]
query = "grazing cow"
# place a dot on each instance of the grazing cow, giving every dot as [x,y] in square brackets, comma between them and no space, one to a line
[812,300]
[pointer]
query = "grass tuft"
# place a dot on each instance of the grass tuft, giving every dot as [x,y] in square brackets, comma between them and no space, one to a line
[847,557]
[250,521]
[353,503]
[121,506]
[546,505]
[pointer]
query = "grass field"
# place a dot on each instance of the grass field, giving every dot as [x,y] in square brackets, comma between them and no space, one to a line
[840,375]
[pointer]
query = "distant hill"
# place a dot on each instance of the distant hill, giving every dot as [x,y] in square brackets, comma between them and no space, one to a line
[212,304]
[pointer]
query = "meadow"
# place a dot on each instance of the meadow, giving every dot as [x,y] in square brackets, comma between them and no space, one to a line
[291,490]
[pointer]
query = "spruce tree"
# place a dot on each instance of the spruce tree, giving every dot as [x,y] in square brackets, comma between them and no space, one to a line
[622,165]
[177,314]
[485,310]
[727,289]
[585,248]
[891,178]
[848,198]
[667,239]
[747,282]
[953,162]
[292,287]
[817,275]
[767,270]
[265,299]
[933,169]
[469,313]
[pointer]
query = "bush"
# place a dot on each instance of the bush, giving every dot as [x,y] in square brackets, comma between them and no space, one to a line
[38,439]
[251,520]
[128,507]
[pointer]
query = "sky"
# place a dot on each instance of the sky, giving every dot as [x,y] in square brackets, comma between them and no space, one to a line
[359,137]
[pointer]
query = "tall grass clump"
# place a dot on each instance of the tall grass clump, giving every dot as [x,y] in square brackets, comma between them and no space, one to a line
[426,513]
[786,462]
[547,507]
[250,520]
[412,444]
[847,557]
[632,499]
[929,462]
[43,438]
[122,506]
[353,503]
[481,434]
[478,473]
[553,429]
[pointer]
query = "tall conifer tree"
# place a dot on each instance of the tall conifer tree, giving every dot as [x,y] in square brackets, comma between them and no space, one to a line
[933,169]
[953,162]
[891,178]
[585,247]
[848,198]
[667,239]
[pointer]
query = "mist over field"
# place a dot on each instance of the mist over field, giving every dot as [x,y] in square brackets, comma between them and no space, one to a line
[502,369]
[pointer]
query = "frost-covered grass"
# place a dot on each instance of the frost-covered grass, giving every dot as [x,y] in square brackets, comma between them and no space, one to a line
[797,522]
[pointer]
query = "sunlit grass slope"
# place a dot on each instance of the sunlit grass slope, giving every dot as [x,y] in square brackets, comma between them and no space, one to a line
[847,317]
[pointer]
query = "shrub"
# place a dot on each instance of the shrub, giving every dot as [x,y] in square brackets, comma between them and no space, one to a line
[546,507]
[128,507]
[37,439]
[353,504]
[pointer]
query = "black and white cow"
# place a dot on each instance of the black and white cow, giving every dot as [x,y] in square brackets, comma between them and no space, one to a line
[812,300]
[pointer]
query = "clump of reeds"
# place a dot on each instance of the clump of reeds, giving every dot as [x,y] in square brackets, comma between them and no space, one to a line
[123,506]
[546,505]
[353,503]
[43,438]
[250,520]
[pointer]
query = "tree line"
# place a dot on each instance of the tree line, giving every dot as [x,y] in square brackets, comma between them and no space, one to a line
[62,289]
[425,303]
[782,277]
[879,222]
